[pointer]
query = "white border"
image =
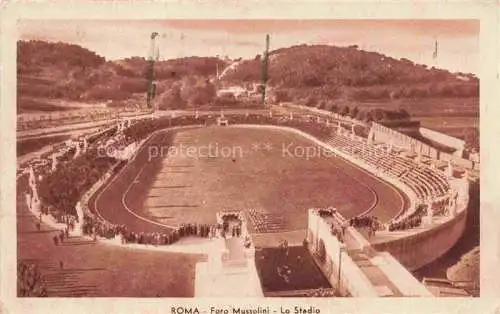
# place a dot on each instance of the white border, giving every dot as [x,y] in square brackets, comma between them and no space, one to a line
[486,11]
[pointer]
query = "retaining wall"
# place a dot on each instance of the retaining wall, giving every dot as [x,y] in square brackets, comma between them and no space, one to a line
[444,139]
[417,250]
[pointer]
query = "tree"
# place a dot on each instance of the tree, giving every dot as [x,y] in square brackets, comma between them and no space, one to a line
[378,114]
[369,117]
[334,108]
[345,110]
[203,93]
[171,99]
[403,114]
[354,112]
[188,86]
[361,115]
[311,101]
[281,96]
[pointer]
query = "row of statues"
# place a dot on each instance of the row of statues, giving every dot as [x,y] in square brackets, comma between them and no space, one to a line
[32,199]
[78,150]
[122,125]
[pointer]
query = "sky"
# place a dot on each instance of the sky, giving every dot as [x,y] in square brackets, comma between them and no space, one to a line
[458,40]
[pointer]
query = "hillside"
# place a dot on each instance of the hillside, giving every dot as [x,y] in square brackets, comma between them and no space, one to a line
[342,79]
[48,71]
[350,73]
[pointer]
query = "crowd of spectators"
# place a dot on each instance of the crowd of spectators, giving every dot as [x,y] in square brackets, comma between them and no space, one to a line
[364,222]
[95,227]
[326,212]
[63,188]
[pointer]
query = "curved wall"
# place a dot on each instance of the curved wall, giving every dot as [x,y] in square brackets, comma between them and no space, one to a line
[417,250]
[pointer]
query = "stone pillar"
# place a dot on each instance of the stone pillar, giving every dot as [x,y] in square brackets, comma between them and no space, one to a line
[454,208]
[270,114]
[196,114]
[327,123]
[430,212]
[79,223]
[85,144]
[291,115]
[77,147]
[54,162]
[318,120]
[449,170]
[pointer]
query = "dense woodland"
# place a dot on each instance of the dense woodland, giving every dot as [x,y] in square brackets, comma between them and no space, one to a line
[60,70]
[64,71]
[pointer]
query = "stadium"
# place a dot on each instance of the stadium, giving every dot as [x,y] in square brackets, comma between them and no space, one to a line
[255,177]
[244,184]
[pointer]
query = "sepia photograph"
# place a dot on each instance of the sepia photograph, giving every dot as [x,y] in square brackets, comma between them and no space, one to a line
[247,158]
